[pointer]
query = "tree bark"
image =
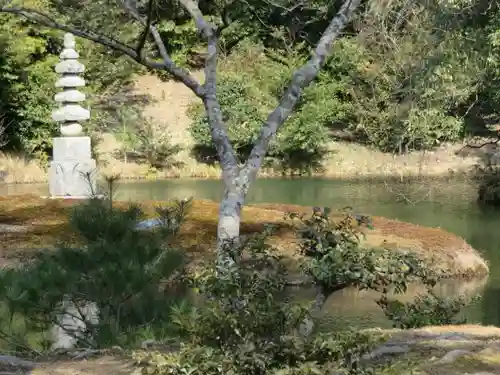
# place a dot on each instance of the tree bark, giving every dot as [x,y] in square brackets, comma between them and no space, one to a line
[228,228]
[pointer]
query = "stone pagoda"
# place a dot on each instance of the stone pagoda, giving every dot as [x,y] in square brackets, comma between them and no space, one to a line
[72,169]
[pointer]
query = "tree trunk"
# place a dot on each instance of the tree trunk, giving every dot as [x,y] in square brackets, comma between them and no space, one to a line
[228,228]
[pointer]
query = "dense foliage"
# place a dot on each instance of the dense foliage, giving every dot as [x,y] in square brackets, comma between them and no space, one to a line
[247,322]
[247,95]
[404,76]
[27,77]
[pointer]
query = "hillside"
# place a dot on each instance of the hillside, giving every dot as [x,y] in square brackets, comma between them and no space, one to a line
[167,110]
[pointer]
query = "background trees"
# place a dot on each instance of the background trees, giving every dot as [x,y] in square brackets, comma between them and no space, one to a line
[403,76]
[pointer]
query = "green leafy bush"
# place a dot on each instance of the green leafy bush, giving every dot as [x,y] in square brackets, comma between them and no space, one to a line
[124,271]
[243,118]
[336,259]
[426,310]
[246,324]
[406,83]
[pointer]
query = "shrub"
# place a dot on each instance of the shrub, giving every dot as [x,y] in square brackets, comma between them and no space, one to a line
[246,325]
[122,270]
[242,117]
[426,310]
[336,259]
[145,143]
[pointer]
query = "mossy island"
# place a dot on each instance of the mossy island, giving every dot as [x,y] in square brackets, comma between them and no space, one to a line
[45,223]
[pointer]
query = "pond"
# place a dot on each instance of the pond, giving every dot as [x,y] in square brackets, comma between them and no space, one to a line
[448,204]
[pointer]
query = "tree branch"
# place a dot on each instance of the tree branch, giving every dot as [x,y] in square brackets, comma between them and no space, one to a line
[145,33]
[484,144]
[300,79]
[220,138]
[167,64]
[180,74]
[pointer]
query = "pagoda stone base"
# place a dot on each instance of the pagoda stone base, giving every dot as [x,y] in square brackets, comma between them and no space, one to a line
[72,171]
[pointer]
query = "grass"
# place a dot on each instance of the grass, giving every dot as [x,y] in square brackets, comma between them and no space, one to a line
[19,170]
[417,361]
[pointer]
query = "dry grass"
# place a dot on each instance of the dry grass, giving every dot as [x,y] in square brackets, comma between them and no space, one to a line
[19,170]
[48,219]
[350,161]
[94,366]
[481,343]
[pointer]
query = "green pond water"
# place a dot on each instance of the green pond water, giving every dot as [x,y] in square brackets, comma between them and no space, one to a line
[446,204]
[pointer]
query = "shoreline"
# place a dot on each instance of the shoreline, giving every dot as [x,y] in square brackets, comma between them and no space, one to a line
[450,176]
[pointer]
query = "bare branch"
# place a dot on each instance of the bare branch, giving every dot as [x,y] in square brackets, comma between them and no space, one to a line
[301,78]
[168,65]
[4,125]
[487,143]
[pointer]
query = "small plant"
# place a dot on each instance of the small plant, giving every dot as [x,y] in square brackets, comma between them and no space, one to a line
[426,310]
[336,259]
[120,271]
[145,142]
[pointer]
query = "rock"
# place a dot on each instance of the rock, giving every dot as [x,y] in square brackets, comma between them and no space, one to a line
[72,323]
[387,350]
[10,360]
[452,356]
[9,228]
[149,224]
